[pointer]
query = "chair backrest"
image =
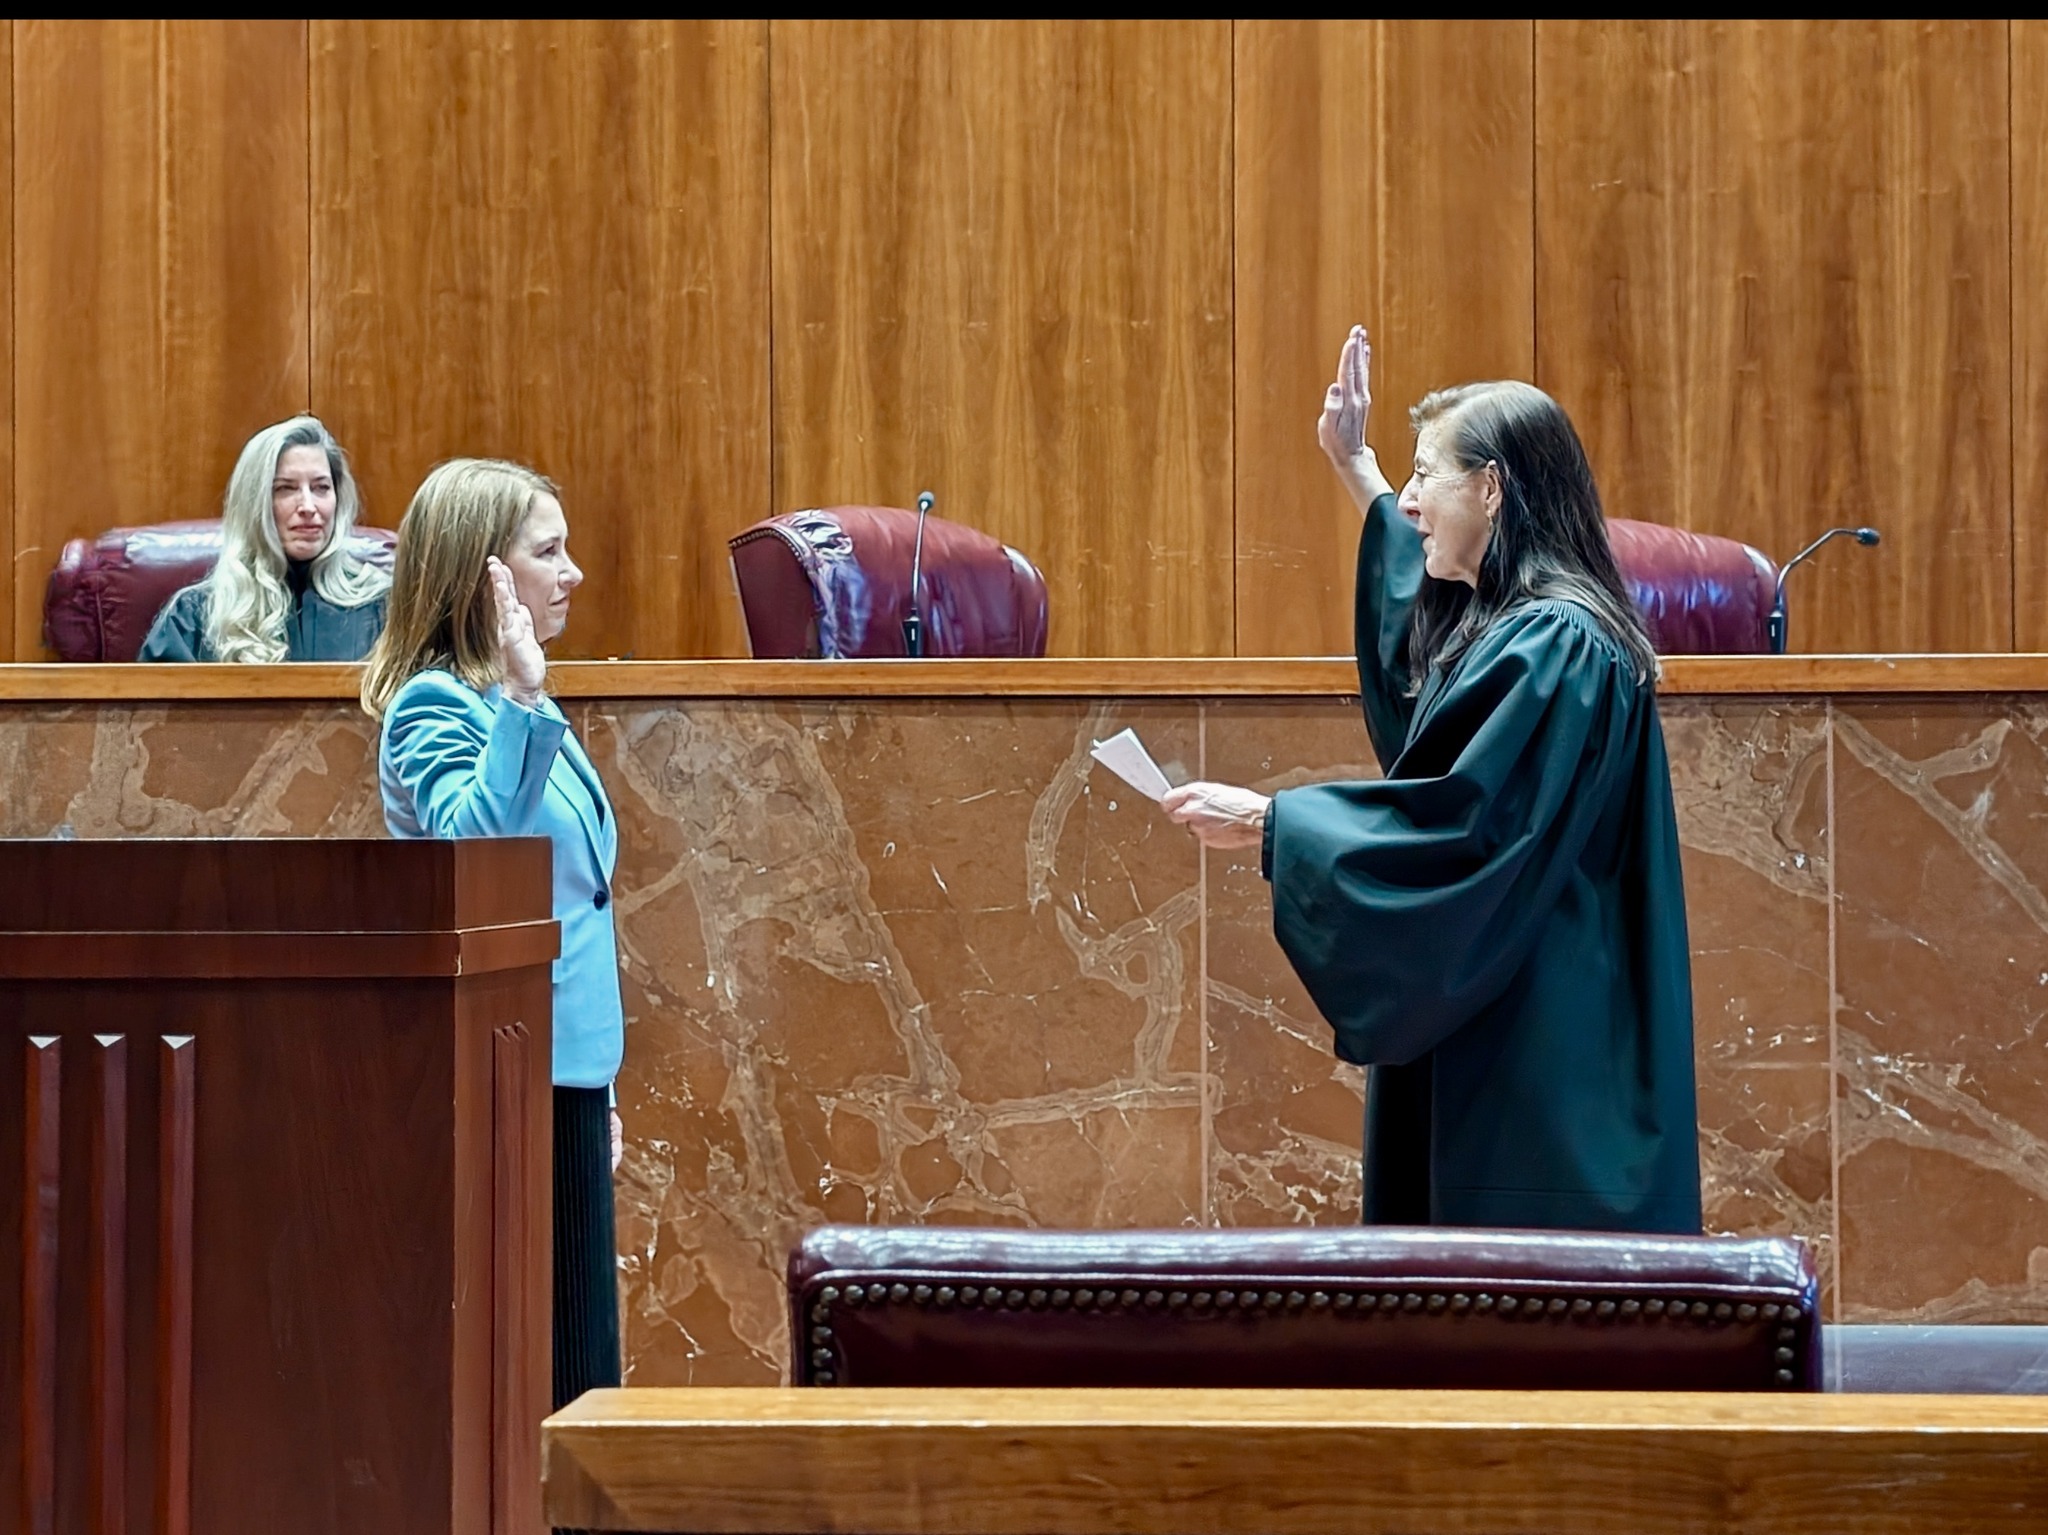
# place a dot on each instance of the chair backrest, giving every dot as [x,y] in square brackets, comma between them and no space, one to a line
[834,583]
[107,591]
[1370,1306]
[1699,594]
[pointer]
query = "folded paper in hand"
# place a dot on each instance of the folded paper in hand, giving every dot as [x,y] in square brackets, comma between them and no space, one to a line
[1125,755]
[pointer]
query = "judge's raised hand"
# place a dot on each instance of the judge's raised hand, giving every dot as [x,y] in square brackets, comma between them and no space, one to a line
[1347,404]
[524,663]
[1219,814]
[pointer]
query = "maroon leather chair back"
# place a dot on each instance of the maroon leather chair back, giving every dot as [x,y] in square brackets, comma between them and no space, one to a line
[834,582]
[1369,1306]
[1699,594]
[107,591]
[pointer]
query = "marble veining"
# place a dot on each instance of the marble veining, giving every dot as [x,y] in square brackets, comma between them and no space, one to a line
[916,960]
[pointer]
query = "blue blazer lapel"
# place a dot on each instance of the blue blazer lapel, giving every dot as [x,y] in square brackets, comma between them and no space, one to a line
[592,808]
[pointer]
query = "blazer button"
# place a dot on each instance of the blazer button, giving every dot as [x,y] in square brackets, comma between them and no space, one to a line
[601,900]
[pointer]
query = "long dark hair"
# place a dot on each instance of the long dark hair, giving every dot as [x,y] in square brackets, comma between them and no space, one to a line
[1549,538]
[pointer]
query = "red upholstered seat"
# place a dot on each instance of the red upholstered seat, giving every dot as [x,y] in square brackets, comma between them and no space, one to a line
[1699,594]
[107,591]
[834,583]
[1369,1306]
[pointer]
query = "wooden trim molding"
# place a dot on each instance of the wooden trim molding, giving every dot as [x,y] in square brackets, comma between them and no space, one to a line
[165,956]
[1077,1461]
[1221,677]
[41,1195]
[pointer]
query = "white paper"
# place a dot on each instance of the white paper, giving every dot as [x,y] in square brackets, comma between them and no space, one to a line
[1125,755]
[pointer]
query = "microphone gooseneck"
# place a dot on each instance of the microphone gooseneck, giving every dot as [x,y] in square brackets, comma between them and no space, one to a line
[1776,623]
[913,622]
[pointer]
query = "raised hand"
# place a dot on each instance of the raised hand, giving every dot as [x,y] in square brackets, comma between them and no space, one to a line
[524,663]
[1347,404]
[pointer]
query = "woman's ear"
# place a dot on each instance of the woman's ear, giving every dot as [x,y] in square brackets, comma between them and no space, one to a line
[1490,489]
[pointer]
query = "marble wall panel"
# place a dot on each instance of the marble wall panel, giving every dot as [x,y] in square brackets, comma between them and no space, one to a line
[885,962]
[1941,809]
[1749,781]
[891,960]
[1289,1116]
[219,770]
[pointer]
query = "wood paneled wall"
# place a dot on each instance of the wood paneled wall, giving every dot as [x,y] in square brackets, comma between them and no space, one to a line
[1084,280]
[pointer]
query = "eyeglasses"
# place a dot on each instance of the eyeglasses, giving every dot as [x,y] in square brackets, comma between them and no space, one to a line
[1424,476]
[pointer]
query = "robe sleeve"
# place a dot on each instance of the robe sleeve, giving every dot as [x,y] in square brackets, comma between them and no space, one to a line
[1389,581]
[1407,905]
[179,633]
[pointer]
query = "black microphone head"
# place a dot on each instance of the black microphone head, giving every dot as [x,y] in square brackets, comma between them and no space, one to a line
[1866,536]
[924,501]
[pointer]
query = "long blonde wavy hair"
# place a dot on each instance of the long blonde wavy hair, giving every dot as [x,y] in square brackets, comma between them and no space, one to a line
[442,615]
[247,597]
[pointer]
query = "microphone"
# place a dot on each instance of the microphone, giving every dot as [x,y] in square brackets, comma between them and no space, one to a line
[913,624]
[1865,536]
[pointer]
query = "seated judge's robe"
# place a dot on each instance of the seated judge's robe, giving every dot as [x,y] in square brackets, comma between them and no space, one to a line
[1497,927]
[314,628]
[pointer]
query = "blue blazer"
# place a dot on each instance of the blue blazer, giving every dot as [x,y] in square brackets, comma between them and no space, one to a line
[455,763]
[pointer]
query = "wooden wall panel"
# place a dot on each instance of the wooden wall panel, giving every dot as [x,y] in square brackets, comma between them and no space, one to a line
[2030,334]
[1002,272]
[160,271]
[1384,176]
[1772,270]
[8,575]
[547,240]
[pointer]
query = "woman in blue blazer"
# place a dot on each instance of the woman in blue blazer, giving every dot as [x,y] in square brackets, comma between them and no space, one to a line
[471,746]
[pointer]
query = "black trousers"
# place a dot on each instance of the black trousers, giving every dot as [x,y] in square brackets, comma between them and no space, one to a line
[586,1311]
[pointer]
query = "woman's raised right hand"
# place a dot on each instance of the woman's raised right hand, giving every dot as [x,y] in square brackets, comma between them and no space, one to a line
[1348,401]
[524,663]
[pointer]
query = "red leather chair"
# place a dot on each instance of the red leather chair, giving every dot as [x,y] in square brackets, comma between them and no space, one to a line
[834,583]
[1368,1306]
[1699,594]
[107,591]
[1358,1306]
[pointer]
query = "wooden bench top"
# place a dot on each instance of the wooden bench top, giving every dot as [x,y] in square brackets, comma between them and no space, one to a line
[1141,1462]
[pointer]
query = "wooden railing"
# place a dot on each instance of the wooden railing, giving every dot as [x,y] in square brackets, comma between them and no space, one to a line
[1222,677]
[1096,1462]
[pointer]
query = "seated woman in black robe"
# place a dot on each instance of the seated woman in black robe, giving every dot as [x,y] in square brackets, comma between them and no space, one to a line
[1497,927]
[286,587]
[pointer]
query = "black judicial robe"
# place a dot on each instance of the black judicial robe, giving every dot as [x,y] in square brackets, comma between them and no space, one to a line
[314,628]
[1498,926]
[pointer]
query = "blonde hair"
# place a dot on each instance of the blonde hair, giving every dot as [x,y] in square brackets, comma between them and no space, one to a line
[442,614]
[247,597]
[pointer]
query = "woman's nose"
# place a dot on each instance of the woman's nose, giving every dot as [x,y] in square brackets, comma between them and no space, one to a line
[572,576]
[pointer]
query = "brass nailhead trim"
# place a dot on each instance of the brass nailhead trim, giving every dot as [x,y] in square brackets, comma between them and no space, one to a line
[1791,1317]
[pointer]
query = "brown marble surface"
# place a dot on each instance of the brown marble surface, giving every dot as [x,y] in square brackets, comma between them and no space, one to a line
[914,960]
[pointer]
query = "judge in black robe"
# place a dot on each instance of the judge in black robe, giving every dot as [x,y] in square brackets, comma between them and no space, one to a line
[1496,927]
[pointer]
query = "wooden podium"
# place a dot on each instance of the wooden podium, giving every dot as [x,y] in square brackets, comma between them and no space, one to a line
[275,1130]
